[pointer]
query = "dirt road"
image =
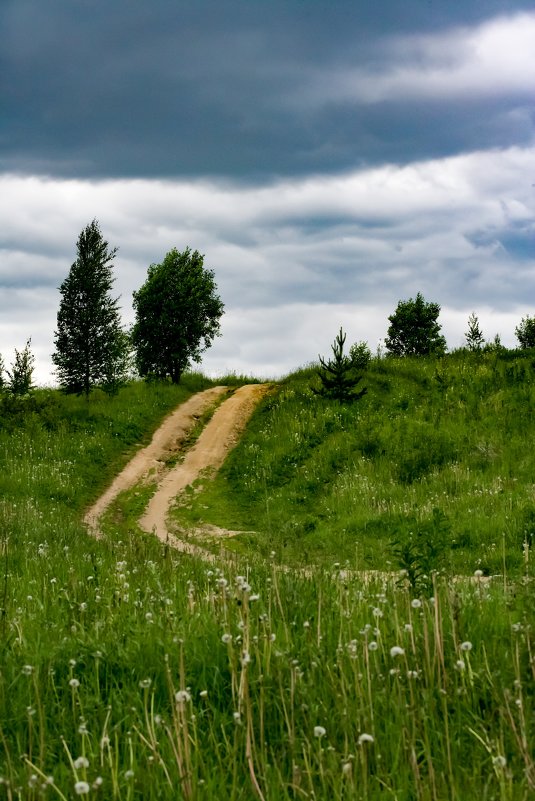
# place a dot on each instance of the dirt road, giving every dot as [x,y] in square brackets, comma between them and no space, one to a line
[209,452]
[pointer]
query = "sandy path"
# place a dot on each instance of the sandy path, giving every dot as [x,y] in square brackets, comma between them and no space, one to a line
[208,454]
[166,440]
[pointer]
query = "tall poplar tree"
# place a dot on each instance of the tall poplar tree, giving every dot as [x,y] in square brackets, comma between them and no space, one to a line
[91,346]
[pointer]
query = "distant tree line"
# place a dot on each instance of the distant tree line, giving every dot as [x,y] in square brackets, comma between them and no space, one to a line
[414,330]
[177,317]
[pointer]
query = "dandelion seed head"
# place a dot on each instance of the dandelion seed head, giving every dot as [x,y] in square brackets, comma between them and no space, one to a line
[396,650]
[74,683]
[319,731]
[372,646]
[81,788]
[416,603]
[27,670]
[365,738]
[81,762]
[466,646]
[182,697]
[226,638]
[460,664]
[499,761]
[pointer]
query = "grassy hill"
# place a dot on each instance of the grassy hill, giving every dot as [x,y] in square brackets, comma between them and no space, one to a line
[129,671]
[434,464]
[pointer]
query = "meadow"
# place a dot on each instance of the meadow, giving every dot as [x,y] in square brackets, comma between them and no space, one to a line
[130,671]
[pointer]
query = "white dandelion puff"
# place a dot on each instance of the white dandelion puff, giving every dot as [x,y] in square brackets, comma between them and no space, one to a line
[319,731]
[81,788]
[396,650]
[365,738]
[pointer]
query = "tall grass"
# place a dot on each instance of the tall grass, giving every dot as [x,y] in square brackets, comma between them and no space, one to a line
[129,671]
[436,451]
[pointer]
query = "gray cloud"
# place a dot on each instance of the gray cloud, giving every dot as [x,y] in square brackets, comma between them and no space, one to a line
[293,259]
[252,90]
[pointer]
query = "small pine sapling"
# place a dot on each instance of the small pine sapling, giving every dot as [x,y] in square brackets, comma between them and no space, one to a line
[338,375]
[474,336]
[20,375]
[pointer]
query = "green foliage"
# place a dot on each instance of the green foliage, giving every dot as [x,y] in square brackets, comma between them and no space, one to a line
[20,375]
[323,481]
[133,671]
[414,329]
[474,337]
[525,332]
[2,368]
[177,315]
[360,355]
[423,554]
[338,376]
[91,346]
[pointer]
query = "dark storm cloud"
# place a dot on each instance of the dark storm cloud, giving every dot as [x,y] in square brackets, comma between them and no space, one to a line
[199,87]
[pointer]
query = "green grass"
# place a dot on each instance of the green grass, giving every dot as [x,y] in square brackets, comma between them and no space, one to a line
[436,452]
[134,672]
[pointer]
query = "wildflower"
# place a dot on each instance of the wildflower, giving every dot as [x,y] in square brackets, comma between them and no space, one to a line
[416,603]
[407,627]
[365,738]
[246,658]
[145,684]
[319,731]
[182,697]
[27,670]
[412,674]
[129,774]
[203,693]
[466,646]
[499,761]
[478,573]
[83,606]
[74,683]
[347,769]
[396,650]
[306,624]
[377,612]
[81,762]
[372,646]
[81,788]
[254,597]
[226,638]
[98,782]
[236,716]
[272,637]
[460,664]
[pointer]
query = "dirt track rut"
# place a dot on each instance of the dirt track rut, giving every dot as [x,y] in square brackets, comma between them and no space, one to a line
[208,454]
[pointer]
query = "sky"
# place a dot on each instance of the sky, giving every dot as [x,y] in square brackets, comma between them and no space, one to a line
[328,157]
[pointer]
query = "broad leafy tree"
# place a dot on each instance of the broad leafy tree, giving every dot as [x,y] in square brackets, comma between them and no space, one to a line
[525,332]
[177,315]
[414,329]
[339,376]
[91,346]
